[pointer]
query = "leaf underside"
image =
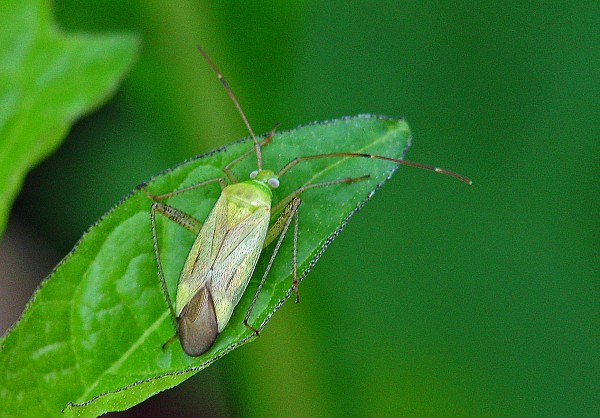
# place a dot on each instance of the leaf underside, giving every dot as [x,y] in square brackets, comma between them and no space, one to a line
[89,341]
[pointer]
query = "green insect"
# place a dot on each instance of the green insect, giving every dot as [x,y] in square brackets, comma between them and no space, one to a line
[243,222]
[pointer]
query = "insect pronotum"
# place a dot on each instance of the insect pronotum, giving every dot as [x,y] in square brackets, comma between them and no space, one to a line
[230,240]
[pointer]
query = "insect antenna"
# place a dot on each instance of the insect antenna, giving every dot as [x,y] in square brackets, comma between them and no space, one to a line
[377,157]
[237,105]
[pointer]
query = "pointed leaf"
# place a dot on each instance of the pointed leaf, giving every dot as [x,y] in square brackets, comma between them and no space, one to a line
[91,336]
[47,81]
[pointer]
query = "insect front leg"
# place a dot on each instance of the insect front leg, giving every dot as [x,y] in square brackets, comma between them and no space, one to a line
[163,196]
[279,228]
[227,168]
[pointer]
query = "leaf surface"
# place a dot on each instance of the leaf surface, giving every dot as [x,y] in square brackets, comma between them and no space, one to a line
[48,80]
[90,338]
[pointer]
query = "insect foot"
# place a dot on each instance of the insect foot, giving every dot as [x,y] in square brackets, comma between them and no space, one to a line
[251,328]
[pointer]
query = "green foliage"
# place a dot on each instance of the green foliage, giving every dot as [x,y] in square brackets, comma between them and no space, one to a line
[92,333]
[438,299]
[47,81]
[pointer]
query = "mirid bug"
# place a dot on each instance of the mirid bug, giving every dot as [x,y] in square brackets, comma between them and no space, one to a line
[228,243]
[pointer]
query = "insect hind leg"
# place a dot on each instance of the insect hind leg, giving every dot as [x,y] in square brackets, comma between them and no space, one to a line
[298,160]
[279,228]
[289,207]
[161,274]
[184,220]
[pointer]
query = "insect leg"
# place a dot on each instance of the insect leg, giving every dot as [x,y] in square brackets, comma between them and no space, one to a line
[158,197]
[186,221]
[181,218]
[276,229]
[282,223]
[294,257]
[227,168]
[280,228]
[295,161]
[283,202]
[161,274]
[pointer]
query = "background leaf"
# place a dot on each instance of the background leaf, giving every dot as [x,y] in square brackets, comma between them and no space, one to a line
[47,81]
[94,329]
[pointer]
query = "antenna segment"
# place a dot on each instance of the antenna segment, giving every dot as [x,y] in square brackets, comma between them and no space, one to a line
[237,105]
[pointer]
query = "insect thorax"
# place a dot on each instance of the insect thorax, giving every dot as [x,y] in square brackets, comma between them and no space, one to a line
[251,193]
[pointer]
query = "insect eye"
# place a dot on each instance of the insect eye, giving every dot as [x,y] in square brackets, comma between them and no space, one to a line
[273,182]
[253,174]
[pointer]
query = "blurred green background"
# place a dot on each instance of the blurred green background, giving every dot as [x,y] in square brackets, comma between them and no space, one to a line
[438,299]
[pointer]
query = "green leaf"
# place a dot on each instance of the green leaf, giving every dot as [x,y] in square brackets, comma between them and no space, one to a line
[47,81]
[90,339]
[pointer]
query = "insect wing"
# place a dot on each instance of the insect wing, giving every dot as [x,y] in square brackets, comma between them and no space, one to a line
[236,260]
[224,255]
[195,272]
[197,325]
